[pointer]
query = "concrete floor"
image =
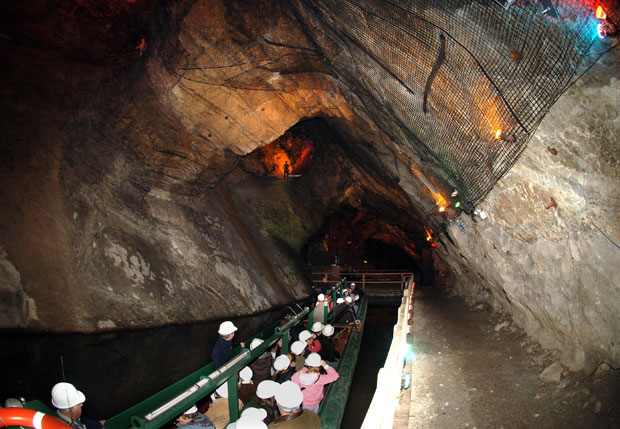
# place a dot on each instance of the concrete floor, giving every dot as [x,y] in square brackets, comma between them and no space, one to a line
[466,374]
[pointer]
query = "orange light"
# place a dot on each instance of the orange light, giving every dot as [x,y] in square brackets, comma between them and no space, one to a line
[498,134]
[428,238]
[600,13]
[442,209]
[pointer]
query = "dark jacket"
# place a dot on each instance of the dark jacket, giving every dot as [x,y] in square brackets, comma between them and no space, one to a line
[261,368]
[222,352]
[285,375]
[344,314]
[327,351]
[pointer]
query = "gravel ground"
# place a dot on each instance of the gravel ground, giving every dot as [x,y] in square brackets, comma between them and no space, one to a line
[474,369]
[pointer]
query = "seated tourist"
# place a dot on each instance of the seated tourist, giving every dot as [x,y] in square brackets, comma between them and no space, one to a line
[261,367]
[265,393]
[289,399]
[298,348]
[284,368]
[68,402]
[328,352]
[311,381]
[218,410]
[192,419]
[247,389]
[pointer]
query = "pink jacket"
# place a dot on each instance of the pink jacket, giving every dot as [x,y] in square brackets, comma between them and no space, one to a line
[313,393]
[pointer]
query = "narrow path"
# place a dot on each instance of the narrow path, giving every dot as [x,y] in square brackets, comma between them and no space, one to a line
[468,374]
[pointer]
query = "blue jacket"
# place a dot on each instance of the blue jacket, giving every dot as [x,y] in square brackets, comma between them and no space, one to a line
[222,352]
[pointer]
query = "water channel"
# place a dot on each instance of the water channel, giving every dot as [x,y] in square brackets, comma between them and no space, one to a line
[116,370]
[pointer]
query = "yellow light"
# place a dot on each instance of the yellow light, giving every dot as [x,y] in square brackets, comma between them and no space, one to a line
[498,134]
[442,209]
[428,238]
[600,13]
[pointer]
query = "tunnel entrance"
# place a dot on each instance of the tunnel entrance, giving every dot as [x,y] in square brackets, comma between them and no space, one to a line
[380,255]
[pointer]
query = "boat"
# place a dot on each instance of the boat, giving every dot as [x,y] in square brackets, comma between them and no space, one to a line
[163,407]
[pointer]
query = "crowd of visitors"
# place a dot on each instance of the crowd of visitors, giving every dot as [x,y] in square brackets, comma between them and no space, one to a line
[286,390]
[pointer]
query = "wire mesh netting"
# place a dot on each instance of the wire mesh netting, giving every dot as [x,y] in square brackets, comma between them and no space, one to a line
[458,85]
[442,79]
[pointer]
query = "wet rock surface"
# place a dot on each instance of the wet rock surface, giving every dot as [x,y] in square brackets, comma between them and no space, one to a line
[467,374]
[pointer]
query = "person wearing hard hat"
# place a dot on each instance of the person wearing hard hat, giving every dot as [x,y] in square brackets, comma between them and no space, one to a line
[68,402]
[328,352]
[265,392]
[312,381]
[310,339]
[192,419]
[298,348]
[247,389]
[319,309]
[284,367]
[222,352]
[218,410]
[289,399]
[262,365]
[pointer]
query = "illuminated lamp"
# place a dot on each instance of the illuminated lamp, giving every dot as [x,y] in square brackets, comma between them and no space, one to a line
[606,27]
[442,209]
[501,136]
[429,238]
[457,204]
[433,245]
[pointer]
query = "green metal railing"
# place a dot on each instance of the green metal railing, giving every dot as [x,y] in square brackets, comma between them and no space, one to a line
[166,405]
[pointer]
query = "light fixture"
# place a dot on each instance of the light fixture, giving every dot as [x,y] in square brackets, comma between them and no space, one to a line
[606,27]
[457,204]
[501,136]
[442,209]
[454,193]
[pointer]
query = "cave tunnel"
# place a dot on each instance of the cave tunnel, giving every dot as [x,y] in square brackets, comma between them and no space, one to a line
[144,147]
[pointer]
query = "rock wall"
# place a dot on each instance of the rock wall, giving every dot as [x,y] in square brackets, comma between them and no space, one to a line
[549,251]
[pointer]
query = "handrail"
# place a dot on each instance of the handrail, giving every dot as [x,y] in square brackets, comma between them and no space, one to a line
[383,405]
[173,401]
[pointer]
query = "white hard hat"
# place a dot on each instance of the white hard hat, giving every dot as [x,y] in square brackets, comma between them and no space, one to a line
[222,390]
[352,284]
[227,328]
[348,299]
[191,410]
[317,326]
[304,335]
[321,297]
[65,396]
[250,423]
[328,330]
[282,362]
[255,413]
[255,343]
[313,359]
[246,374]
[289,395]
[339,301]
[298,347]
[266,389]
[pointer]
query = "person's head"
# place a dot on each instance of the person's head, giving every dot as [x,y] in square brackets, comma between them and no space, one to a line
[227,330]
[289,398]
[292,357]
[281,363]
[352,287]
[245,375]
[68,400]
[313,363]
[266,389]
[328,330]
[298,347]
[348,300]
[188,416]
[304,336]
[317,327]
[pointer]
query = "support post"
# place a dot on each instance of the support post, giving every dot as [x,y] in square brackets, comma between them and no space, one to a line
[233,397]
